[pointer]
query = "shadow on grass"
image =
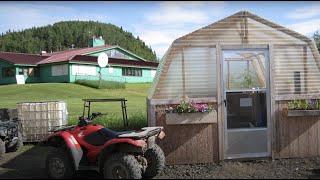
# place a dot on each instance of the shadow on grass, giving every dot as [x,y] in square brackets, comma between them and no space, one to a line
[29,162]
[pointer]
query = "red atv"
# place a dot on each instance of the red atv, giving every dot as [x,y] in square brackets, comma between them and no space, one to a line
[116,155]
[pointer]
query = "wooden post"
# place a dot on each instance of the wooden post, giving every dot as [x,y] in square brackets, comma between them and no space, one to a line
[246,32]
[220,104]
[99,78]
[244,29]
[272,133]
[305,69]
[183,76]
[151,111]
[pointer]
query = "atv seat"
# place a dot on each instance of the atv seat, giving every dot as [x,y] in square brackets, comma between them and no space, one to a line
[113,134]
[100,137]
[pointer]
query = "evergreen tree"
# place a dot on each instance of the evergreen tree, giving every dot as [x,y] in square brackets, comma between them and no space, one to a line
[60,36]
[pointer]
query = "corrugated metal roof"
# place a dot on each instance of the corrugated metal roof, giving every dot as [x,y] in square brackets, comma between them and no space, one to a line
[69,54]
[22,58]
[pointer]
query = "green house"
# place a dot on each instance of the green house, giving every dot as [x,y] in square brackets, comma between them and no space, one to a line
[75,64]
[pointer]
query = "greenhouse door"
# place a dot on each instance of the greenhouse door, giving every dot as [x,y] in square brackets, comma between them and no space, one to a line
[246,100]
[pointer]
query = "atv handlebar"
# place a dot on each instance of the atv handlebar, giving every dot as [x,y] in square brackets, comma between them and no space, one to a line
[87,120]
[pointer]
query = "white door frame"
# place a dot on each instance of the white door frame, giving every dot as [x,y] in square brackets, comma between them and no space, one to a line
[266,50]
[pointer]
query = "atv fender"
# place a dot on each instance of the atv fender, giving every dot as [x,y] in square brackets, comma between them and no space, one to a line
[118,145]
[71,143]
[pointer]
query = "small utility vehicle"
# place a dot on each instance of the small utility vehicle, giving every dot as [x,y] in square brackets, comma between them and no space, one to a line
[116,155]
[10,132]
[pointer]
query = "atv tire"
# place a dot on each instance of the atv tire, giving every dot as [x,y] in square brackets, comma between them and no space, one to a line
[122,166]
[2,147]
[16,146]
[155,161]
[59,164]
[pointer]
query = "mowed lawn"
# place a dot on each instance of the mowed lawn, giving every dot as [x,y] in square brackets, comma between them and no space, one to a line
[73,94]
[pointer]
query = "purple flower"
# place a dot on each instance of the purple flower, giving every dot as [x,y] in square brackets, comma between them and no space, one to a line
[312,103]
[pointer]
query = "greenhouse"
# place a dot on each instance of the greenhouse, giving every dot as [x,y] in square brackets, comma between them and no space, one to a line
[261,82]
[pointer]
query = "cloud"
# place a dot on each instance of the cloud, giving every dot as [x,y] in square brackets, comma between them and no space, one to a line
[170,14]
[305,12]
[159,40]
[181,13]
[306,27]
[172,20]
[20,16]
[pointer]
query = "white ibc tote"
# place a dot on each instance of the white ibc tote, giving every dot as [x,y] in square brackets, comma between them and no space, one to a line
[38,118]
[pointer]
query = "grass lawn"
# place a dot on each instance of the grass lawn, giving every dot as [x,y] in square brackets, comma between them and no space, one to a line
[73,94]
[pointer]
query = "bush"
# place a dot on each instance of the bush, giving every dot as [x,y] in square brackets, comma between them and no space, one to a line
[114,121]
[104,84]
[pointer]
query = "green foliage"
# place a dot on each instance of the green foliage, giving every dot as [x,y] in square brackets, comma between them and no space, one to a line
[113,121]
[247,79]
[304,104]
[60,36]
[185,107]
[189,107]
[101,85]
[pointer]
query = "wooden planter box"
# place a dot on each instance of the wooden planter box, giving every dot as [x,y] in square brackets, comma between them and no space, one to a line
[293,113]
[191,118]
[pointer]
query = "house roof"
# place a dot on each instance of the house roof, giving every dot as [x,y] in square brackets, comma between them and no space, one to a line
[22,58]
[114,61]
[63,56]
[69,54]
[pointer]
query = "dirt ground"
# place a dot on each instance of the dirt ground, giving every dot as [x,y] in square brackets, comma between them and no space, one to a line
[28,162]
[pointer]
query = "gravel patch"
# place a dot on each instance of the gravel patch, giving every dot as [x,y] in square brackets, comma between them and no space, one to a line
[28,162]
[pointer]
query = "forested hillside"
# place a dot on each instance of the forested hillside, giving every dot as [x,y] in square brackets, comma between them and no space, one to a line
[61,36]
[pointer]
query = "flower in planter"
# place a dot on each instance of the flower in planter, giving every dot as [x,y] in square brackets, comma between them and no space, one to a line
[311,104]
[189,107]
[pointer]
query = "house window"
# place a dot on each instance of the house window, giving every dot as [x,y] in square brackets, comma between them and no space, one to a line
[297,82]
[28,71]
[8,72]
[131,72]
[59,70]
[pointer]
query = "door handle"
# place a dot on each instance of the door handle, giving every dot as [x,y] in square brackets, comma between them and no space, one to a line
[225,103]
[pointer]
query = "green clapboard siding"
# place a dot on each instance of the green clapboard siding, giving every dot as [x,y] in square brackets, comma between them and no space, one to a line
[116,75]
[6,80]
[46,75]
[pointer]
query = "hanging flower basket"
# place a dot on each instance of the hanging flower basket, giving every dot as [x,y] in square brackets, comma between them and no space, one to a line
[190,113]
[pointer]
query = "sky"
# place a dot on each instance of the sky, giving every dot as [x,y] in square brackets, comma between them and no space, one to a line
[158,23]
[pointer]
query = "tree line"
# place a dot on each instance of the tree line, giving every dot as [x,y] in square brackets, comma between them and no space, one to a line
[67,34]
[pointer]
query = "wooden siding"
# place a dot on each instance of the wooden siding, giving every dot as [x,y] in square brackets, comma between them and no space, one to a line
[189,143]
[295,136]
